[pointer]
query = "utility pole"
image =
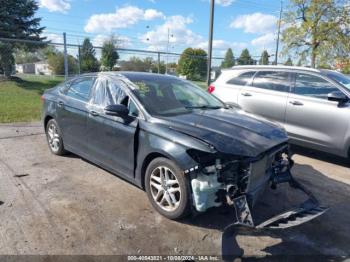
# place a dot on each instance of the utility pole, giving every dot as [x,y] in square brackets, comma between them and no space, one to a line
[278,33]
[65,56]
[210,42]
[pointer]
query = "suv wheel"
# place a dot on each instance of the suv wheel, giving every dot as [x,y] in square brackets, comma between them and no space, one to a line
[54,138]
[167,188]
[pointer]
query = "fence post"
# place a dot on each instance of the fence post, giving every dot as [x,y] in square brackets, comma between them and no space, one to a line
[79,59]
[65,56]
[158,62]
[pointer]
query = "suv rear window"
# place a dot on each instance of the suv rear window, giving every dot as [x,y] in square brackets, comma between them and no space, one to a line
[272,80]
[242,79]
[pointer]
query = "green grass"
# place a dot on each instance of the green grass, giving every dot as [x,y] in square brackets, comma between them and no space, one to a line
[20,97]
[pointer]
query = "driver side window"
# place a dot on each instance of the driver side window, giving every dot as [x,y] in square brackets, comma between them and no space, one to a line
[109,93]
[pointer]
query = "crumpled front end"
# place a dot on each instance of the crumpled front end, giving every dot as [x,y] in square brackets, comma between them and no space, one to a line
[221,179]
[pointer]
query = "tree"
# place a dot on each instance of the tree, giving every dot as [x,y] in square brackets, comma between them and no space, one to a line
[88,61]
[289,62]
[141,65]
[109,54]
[314,25]
[154,67]
[245,58]
[264,59]
[56,63]
[229,60]
[23,56]
[17,21]
[7,59]
[193,64]
[346,69]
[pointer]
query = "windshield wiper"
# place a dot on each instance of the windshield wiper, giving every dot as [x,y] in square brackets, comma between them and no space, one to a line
[204,107]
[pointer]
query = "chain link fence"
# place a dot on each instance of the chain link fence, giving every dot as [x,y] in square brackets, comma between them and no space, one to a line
[64,59]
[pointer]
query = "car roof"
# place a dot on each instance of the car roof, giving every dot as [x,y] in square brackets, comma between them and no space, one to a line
[128,74]
[278,67]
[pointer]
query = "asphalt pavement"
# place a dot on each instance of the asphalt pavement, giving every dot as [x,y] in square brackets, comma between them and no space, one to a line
[54,205]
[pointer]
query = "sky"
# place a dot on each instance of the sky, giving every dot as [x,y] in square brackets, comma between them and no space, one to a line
[144,24]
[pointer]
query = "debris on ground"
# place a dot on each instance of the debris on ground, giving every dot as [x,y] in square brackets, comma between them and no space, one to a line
[21,175]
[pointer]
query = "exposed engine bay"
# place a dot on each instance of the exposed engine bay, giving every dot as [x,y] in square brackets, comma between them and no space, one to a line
[220,180]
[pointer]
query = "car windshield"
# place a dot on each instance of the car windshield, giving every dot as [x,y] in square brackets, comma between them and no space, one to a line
[340,78]
[170,96]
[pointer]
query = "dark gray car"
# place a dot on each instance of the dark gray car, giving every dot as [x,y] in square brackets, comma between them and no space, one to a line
[179,143]
[312,105]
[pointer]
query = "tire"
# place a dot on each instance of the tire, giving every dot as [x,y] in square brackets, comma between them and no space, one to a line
[176,192]
[54,138]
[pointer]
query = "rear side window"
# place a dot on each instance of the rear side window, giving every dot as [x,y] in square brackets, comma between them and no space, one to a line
[314,86]
[272,80]
[242,79]
[80,88]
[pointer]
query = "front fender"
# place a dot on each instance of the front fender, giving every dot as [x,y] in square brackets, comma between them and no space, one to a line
[166,142]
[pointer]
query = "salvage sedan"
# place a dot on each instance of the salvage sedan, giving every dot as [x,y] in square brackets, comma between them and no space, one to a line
[186,148]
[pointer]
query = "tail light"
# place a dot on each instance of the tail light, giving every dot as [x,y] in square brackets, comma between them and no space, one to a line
[42,99]
[211,89]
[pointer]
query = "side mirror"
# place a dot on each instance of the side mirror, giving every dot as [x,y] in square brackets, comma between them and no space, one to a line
[117,110]
[337,96]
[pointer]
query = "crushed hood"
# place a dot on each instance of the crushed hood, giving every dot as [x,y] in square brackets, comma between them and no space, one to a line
[229,131]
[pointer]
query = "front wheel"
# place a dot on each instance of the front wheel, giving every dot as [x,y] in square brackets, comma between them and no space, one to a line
[167,188]
[54,138]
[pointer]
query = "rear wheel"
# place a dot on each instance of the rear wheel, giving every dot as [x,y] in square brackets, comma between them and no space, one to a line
[167,188]
[54,138]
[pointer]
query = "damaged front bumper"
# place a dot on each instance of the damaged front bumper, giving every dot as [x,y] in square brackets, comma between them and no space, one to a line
[305,212]
[240,187]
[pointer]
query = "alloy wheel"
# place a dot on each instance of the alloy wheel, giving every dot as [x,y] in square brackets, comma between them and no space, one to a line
[165,188]
[53,137]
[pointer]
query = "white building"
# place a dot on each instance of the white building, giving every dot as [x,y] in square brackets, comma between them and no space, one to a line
[38,68]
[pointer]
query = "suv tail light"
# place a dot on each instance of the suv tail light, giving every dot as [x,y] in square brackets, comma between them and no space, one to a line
[211,89]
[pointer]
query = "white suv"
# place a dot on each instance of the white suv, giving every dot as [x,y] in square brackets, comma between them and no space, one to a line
[312,105]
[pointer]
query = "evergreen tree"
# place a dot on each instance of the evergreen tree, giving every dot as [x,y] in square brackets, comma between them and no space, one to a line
[289,62]
[17,21]
[264,59]
[88,61]
[229,60]
[109,54]
[193,64]
[245,58]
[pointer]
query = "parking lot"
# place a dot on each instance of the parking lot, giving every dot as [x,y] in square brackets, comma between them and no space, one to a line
[66,205]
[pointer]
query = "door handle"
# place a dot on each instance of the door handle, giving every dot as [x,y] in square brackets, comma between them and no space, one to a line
[93,113]
[246,94]
[296,103]
[60,104]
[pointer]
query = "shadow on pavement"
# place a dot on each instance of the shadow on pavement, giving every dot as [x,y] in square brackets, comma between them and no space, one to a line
[329,158]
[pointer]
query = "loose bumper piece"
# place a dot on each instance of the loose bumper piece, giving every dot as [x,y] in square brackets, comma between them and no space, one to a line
[307,211]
